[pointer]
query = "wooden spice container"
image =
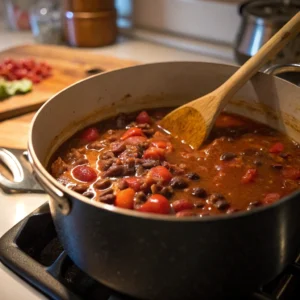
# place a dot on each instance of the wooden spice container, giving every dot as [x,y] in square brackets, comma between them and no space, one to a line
[90,23]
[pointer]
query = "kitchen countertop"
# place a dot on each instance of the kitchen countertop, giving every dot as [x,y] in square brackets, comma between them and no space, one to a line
[16,207]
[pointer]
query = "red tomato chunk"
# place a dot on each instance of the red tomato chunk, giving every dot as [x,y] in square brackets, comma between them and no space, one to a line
[84,173]
[91,134]
[132,132]
[156,204]
[143,118]
[249,176]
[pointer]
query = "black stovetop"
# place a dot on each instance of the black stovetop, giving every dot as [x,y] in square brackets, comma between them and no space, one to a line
[32,250]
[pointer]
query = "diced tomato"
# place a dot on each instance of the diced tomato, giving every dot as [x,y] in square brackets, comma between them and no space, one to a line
[186,213]
[154,153]
[135,140]
[162,144]
[249,176]
[276,148]
[90,134]
[143,118]
[271,198]
[182,204]
[229,121]
[134,183]
[21,73]
[291,173]
[156,204]
[134,131]
[160,173]
[84,173]
[124,198]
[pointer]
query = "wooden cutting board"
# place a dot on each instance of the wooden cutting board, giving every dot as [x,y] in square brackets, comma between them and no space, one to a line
[69,65]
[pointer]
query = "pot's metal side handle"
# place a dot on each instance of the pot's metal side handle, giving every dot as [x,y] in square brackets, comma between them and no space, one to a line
[57,195]
[278,69]
[14,166]
[22,177]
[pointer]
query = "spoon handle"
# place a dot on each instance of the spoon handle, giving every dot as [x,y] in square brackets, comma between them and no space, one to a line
[267,51]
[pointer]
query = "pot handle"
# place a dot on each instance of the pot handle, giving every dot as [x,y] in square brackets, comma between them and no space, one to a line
[16,161]
[282,68]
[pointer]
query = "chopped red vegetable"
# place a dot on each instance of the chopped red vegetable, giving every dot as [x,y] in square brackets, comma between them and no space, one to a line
[90,134]
[160,173]
[134,131]
[84,173]
[134,183]
[162,144]
[156,204]
[291,173]
[249,176]
[276,148]
[124,199]
[135,140]
[154,153]
[271,198]
[12,69]
[143,118]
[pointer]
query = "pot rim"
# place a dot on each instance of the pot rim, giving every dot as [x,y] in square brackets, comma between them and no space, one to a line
[52,183]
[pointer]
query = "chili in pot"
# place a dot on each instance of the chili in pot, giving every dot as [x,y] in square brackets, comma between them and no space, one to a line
[130,162]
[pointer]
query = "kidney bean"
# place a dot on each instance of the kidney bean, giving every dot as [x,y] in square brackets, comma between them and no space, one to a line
[186,213]
[108,199]
[192,176]
[80,188]
[103,184]
[117,147]
[182,204]
[115,171]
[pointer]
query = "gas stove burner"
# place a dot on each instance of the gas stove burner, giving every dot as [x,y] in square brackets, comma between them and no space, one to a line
[32,250]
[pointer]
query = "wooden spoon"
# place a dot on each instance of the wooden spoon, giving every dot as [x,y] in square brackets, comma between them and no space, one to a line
[193,121]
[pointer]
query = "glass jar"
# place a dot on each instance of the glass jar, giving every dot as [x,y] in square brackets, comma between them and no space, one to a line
[45,21]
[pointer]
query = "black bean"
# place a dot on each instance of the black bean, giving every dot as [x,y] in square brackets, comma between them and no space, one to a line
[277,166]
[257,162]
[178,182]
[199,203]
[140,198]
[232,210]
[117,147]
[221,204]
[199,192]
[284,155]
[88,194]
[228,156]
[192,176]
[122,184]
[253,205]
[80,188]
[156,188]
[115,171]
[108,199]
[215,197]
[102,184]
[148,164]
[167,191]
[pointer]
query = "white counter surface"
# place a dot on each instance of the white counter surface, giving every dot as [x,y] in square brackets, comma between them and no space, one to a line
[16,207]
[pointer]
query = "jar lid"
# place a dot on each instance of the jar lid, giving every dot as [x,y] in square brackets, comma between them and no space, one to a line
[271,10]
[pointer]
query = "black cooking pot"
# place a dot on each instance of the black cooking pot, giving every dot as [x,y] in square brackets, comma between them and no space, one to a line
[162,257]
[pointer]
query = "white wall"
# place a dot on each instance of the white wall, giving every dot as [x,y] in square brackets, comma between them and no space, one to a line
[214,21]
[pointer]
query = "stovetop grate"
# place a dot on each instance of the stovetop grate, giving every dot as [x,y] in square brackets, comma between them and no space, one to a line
[32,250]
